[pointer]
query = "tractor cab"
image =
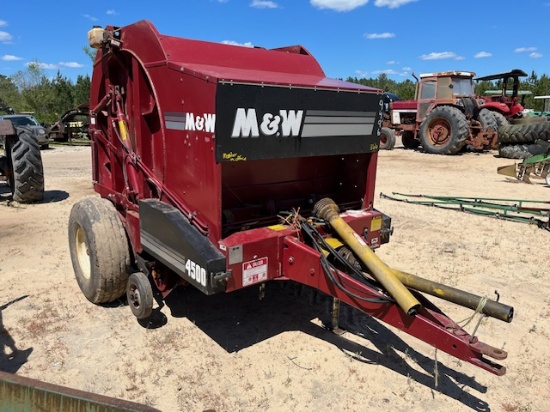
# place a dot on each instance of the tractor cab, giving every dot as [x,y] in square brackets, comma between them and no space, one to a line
[454,88]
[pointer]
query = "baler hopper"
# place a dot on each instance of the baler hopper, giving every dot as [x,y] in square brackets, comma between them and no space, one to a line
[226,167]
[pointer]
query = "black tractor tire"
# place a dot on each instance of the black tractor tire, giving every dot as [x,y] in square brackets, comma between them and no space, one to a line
[524,120]
[500,119]
[99,249]
[387,138]
[444,131]
[521,151]
[25,171]
[408,141]
[487,120]
[524,133]
[140,295]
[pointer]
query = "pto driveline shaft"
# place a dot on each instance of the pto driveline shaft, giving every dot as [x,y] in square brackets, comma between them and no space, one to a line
[328,210]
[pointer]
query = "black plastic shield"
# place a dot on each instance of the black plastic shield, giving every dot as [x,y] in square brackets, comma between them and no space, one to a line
[267,122]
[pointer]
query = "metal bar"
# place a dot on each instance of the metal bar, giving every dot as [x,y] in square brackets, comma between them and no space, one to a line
[22,394]
[509,212]
[474,198]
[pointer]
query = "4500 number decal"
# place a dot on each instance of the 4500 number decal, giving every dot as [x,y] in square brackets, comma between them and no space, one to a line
[195,272]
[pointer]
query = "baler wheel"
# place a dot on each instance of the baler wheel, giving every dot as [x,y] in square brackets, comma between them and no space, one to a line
[140,295]
[444,131]
[387,138]
[99,250]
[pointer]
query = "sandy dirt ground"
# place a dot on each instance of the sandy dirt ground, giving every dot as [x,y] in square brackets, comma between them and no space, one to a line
[233,352]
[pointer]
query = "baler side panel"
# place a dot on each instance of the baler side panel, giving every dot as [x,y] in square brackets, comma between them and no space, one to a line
[189,121]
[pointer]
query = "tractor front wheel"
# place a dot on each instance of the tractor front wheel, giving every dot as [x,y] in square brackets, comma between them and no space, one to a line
[408,141]
[387,138]
[99,248]
[444,131]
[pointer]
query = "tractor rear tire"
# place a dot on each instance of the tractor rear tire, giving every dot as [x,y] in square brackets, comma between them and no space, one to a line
[25,171]
[524,133]
[408,141]
[500,119]
[99,248]
[520,151]
[487,120]
[444,131]
[387,138]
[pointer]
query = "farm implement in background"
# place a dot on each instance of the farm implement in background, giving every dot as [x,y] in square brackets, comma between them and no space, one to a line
[537,167]
[516,210]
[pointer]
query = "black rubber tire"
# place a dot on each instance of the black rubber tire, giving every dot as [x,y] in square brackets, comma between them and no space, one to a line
[408,141]
[25,170]
[524,133]
[387,138]
[524,120]
[487,120]
[520,151]
[99,248]
[500,119]
[453,125]
[140,295]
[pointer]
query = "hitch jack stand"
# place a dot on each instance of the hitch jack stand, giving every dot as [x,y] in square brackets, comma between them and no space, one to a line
[334,317]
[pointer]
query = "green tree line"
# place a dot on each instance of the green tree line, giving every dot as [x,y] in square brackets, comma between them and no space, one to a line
[30,90]
[538,86]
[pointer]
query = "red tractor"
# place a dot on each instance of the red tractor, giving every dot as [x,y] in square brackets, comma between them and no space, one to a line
[226,167]
[444,117]
[506,104]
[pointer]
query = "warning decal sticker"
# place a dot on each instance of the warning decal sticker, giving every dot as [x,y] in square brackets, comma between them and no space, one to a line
[254,271]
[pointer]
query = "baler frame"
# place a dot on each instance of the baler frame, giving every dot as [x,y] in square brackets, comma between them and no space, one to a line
[260,135]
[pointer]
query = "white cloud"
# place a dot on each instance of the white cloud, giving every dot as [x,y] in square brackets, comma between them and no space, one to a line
[264,4]
[91,18]
[525,49]
[535,55]
[441,56]
[112,12]
[10,58]
[407,68]
[392,62]
[3,23]
[5,37]
[72,65]
[338,5]
[387,71]
[385,35]
[361,73]
[483,54]
[392,4]
[234,43]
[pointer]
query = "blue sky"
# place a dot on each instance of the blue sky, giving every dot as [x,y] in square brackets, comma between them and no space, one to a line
[357,38]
